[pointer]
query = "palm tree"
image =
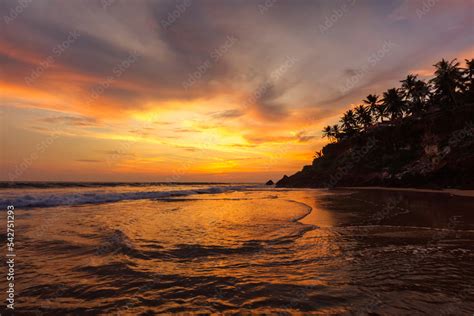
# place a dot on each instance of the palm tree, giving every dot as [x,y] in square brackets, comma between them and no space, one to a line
[336,131]
[413,97]
[377,108]
[469,70]
[349,123]
[420,95]
[408,90]
[372,100]
[363,116]
[447,81]
[380,112]
[327,132]
[393,103]
[408,86]
[469,73]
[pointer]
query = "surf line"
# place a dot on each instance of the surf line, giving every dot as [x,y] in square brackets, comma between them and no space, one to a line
[308,208]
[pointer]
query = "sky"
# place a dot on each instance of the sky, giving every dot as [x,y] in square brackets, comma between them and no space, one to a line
[197,90]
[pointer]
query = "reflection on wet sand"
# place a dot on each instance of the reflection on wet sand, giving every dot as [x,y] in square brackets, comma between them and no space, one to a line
[340,252]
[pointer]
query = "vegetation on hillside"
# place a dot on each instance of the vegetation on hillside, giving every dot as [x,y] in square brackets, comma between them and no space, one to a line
[451,86]
[418,135]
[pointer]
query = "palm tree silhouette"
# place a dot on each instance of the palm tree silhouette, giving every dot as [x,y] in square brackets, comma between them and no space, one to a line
[380,112]
[349,123]
[372,100]
[421,93]
[447,81]
[336,131]
[363,116]
[394,103]
[377,108]
[408,90]
[469,72]
[408,86]
[327,132]
[415,96]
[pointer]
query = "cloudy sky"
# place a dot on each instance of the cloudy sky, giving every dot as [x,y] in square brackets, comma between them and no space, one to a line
[196,90]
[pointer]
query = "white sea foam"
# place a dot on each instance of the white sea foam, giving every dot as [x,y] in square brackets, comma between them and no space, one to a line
[39,198]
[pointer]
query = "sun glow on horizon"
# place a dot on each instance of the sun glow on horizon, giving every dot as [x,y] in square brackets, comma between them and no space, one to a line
[190,102]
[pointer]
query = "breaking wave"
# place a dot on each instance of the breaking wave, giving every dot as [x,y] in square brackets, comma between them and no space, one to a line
[38,198]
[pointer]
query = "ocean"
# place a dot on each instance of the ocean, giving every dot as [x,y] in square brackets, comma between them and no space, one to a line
[152,248]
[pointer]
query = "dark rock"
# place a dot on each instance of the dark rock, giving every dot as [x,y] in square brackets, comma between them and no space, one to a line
[283,182]
[436,150]
[269,182]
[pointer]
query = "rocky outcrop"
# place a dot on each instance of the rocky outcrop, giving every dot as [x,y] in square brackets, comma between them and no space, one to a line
[434,150]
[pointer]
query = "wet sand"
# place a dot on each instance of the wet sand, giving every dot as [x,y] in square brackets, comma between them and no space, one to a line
[457,192]
[261,250]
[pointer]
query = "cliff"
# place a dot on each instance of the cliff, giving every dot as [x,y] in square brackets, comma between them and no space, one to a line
[433,149]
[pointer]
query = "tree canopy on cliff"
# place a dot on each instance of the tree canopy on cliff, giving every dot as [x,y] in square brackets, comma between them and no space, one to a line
[451,86]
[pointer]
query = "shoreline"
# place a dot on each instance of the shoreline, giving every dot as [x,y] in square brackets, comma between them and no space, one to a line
[456,192]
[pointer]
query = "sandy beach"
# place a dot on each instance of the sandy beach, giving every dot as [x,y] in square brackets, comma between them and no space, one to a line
[456,192]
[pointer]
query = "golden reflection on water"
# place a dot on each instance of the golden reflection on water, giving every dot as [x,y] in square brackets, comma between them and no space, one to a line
[253,250]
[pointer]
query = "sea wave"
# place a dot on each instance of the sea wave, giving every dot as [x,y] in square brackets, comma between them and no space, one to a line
[66,184]
[42,199]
